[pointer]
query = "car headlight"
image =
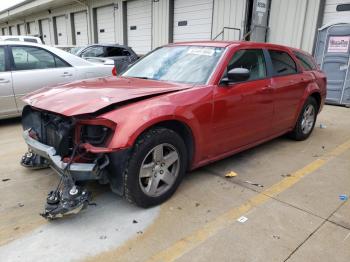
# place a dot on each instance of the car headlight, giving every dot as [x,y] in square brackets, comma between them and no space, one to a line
[95,135]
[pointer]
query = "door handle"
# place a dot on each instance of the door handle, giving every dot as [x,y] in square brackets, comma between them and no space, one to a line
[66,74]
[4,81]
[265,89]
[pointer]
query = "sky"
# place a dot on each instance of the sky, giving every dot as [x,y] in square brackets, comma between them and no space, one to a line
[4,4]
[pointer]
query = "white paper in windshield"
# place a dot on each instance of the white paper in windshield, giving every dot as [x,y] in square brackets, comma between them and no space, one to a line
[201,51]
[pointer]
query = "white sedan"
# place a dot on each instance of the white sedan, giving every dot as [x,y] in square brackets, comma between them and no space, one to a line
[26,67]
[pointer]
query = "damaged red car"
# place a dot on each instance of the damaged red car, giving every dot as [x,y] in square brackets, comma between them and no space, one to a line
[180,107]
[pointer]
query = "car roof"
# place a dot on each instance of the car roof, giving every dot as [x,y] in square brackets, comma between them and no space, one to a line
[13,36]
[236,43]
[70,58]
[108,45]
[7,42]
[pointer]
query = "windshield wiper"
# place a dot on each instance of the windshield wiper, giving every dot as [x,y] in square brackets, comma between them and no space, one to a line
[141,77]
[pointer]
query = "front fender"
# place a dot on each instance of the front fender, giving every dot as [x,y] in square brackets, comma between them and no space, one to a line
[133,119]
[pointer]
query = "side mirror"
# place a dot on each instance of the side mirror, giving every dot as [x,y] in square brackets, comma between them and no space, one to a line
[237,75]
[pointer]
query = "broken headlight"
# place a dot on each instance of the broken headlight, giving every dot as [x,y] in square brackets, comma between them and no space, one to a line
[95,135]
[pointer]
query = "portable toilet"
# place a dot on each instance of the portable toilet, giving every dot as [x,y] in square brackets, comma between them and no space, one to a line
[332,54]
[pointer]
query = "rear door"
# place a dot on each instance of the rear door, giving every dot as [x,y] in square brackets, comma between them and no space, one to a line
[243,111]
[288,88]
[7,100]
[34,68]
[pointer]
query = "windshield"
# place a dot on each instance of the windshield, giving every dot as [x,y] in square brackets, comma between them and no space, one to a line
[184,64]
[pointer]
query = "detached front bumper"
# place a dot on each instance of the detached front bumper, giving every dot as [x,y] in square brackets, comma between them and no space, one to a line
[79,171]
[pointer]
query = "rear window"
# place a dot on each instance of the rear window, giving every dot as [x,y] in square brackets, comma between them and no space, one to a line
[305,61]
[282,63]
[117,51]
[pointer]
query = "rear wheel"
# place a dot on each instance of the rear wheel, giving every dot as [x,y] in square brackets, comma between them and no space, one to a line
[306,120]
[156,167]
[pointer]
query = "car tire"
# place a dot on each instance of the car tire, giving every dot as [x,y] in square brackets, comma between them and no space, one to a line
[155,168]
[306,120]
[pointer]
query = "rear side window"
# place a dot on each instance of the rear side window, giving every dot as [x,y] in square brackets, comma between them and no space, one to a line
[282,63]
[252,59]
[305,61]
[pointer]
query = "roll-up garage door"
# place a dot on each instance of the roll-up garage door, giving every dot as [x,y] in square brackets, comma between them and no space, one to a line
[22,29]
[105,24]
[61,30]
[192,20]
[13,30]
[80,28]
[32,29]
[45,31]
[139,16]
[5,31]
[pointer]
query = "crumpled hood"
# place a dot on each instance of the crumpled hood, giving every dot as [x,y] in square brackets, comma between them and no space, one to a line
[88,96]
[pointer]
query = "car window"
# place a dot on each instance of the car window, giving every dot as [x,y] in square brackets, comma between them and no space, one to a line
[96,51]
[27,58]
[305,61]
[60,63]
[116,51]
[251,59]
[282,63]
[32,40]
[2,59]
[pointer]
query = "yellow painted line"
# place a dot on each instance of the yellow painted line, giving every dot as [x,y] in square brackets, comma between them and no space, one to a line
[190,242]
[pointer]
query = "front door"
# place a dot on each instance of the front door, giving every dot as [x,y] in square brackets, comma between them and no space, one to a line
[243,111]
[34,68]
[7,101]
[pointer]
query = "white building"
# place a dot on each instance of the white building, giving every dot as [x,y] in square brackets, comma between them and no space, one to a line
[147,24]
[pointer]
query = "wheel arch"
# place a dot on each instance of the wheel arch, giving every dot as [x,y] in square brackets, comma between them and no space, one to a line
[180,128]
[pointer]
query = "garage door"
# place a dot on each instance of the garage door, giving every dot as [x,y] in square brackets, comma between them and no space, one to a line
[139,16]
[32,29]
[192,20]
[61,30]
[5,31]
[105,24]
[331,13]
[22,29]
[13,30]
[80,28]
[46,32]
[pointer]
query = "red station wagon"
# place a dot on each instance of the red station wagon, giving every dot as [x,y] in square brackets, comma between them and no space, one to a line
[180,107]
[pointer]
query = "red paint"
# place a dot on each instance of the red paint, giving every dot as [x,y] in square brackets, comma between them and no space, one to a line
[223,119]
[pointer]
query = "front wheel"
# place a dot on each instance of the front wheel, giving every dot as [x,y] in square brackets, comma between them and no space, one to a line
[156,167]
[306,120]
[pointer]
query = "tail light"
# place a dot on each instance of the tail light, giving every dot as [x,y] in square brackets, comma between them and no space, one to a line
[114,71]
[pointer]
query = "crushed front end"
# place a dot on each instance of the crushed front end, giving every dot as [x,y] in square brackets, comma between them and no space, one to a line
[75,147]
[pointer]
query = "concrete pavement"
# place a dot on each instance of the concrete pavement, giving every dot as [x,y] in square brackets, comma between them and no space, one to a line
[295,216]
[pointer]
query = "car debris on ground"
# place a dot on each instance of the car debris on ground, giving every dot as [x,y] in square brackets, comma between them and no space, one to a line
[253,184]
